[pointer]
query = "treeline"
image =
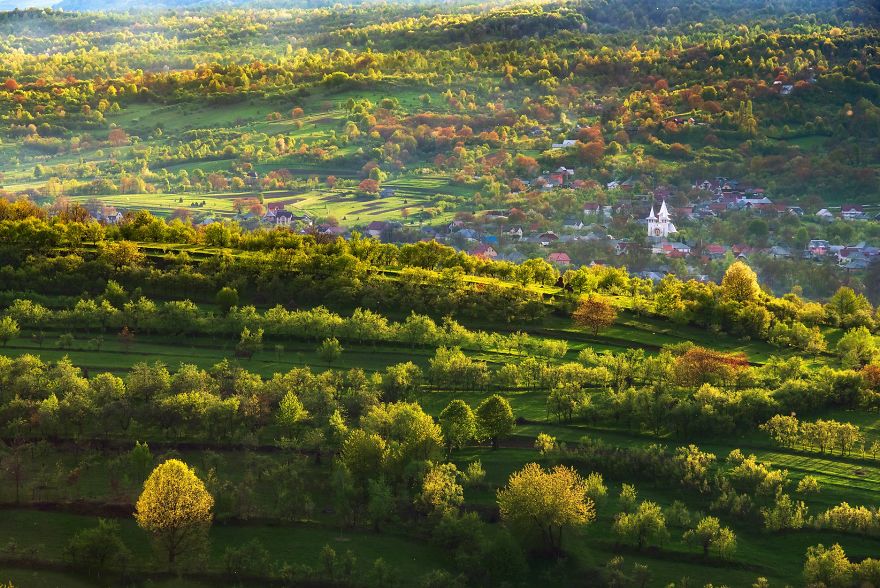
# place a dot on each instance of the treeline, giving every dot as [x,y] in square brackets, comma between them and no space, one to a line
[364,327]
[821,434]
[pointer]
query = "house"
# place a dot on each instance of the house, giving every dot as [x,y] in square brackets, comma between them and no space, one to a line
[514,232]
[654,276]
[559,258]
[779,252]
[467,234]
[386,193]
[251,179]
[114,217]
[332,230]
[484,251]
[591,208]
[108,215]
[624,246]
[753,203]
[795,210]
[376,228]
[715,251]
[675,250]
[852,212]
[281,218]
[546,238]
[818,248]
[566,144]
[536,132]
[514,257]
[573,223]
[825,215]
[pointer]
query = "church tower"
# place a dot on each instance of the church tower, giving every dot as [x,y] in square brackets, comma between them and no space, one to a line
[660,224]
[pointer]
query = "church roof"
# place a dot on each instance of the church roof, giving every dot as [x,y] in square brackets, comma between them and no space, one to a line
[652,216]
[664,213]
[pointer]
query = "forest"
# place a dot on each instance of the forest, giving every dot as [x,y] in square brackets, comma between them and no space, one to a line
[361,294]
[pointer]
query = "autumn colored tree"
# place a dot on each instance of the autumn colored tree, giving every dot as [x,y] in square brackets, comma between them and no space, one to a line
[699,365]
[117,137]
[176,509]
[218,181]
[594,313]
[546,502]
[369,186]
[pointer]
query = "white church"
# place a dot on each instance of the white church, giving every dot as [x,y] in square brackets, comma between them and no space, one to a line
[660,225]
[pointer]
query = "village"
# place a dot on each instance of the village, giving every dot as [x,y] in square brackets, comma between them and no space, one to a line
[644,231]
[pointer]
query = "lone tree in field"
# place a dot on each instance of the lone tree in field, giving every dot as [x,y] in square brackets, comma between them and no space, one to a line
[594,313]
[175,508]
[494,418]
[546,502]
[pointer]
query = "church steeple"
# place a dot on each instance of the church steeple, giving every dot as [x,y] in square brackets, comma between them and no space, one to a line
[659,225]
[663,215]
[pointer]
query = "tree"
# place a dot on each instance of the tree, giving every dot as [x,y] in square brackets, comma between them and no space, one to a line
[545,443]
[710,535]
[808,485]
[828,568]
[494,418]
[329,350]
[380,502]
[8,330]
[627,498]
[848,309]
[226,299]
[646,525]
[369,186]
[784,514]
[290,412]
[458,424]
[740,284]
[176,509]
[249,343]
[857,348]
[594,313]
[98,549]
[117,137]
[441,493]
[546,502]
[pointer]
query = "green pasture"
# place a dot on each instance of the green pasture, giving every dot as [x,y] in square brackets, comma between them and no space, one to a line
[48,533]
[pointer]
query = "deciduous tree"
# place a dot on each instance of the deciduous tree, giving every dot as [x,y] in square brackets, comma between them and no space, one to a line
[176,509]
[546,502]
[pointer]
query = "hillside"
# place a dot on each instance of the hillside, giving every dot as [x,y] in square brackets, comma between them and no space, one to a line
[440,294]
